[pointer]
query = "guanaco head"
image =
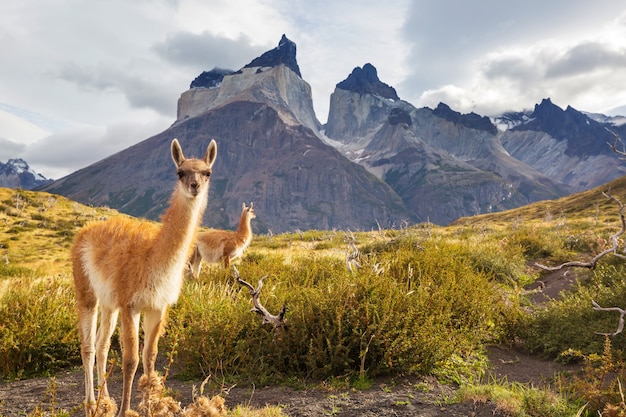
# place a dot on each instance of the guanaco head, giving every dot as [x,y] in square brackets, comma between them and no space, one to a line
[194,174]
[248,211]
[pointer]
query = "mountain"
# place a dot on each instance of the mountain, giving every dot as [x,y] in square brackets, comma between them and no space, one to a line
[269,152]
[17,174]
[378,161]
[444,164]
[569,146]
[273,83]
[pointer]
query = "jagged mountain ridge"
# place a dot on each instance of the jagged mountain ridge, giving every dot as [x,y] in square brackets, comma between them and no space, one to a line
[16,173]
[441,162]
[268,152]
[566,145]
[436,164]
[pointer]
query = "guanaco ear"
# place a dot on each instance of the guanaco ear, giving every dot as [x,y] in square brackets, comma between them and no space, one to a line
[211,153]
[177,153]
[251,203]
[243,206]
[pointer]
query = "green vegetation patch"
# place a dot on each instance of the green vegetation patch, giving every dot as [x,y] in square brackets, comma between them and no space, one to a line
[38,332]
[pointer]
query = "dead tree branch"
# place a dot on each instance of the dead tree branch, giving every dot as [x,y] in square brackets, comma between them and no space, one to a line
[620,152]
[592,264]
[622,312]
[613,249]
[278,320]
[352,257]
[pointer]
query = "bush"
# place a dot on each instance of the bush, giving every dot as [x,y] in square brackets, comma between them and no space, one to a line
[414,315]
[37,328]
[570,323]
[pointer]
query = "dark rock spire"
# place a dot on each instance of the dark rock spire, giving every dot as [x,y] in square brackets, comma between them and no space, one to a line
[211,78]
[283,54]
[471,120]
[365,81]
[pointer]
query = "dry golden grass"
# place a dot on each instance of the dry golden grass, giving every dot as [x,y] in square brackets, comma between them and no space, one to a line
[591,204]
[37,228]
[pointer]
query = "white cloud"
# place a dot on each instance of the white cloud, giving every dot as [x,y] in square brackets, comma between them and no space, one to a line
[9,149]
[62,153]
[82,80]
[586,72]
[18,129]
[206,50]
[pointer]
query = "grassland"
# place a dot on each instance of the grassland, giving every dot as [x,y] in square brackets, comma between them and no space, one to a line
[423,300]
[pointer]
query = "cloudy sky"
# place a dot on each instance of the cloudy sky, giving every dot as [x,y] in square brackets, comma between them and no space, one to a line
[83,79]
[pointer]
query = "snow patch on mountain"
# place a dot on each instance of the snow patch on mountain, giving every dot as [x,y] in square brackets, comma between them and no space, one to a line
[16,173]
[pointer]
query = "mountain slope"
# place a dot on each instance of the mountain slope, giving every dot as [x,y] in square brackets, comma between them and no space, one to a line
[586,203]
[294,180]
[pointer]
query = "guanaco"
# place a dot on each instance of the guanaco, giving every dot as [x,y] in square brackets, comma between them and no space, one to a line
[131,266]
[223,245]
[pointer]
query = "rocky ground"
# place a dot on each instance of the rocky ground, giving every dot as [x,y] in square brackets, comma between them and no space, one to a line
[422,397]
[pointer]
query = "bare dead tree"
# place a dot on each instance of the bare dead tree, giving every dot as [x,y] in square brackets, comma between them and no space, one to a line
[353,252]
[620,152]
[613,249]
[278,320]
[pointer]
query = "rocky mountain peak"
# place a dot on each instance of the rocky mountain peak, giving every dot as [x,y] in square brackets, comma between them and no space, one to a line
[471,120]
[283,54]
[16,173]
[273,79]
[546,110]
[365,81]
[210,79]
[582,134]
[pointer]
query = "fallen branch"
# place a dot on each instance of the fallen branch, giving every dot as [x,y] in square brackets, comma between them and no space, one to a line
[621,311]
[278,320]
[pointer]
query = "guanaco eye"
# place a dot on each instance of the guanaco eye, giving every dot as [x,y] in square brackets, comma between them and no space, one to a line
[207,174]
[181,174]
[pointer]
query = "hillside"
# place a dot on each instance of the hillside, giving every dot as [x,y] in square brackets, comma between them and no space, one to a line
[585,204]
[38,228]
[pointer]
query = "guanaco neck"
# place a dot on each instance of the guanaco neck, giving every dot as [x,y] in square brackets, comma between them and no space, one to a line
[179,226]
[244,229]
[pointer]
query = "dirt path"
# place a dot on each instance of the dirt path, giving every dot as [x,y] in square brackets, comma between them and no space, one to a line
[424,397]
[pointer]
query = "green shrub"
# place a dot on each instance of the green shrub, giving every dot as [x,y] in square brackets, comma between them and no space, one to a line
[535,245]
[11,270]
[37,328]
[413,316]
[570,323]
